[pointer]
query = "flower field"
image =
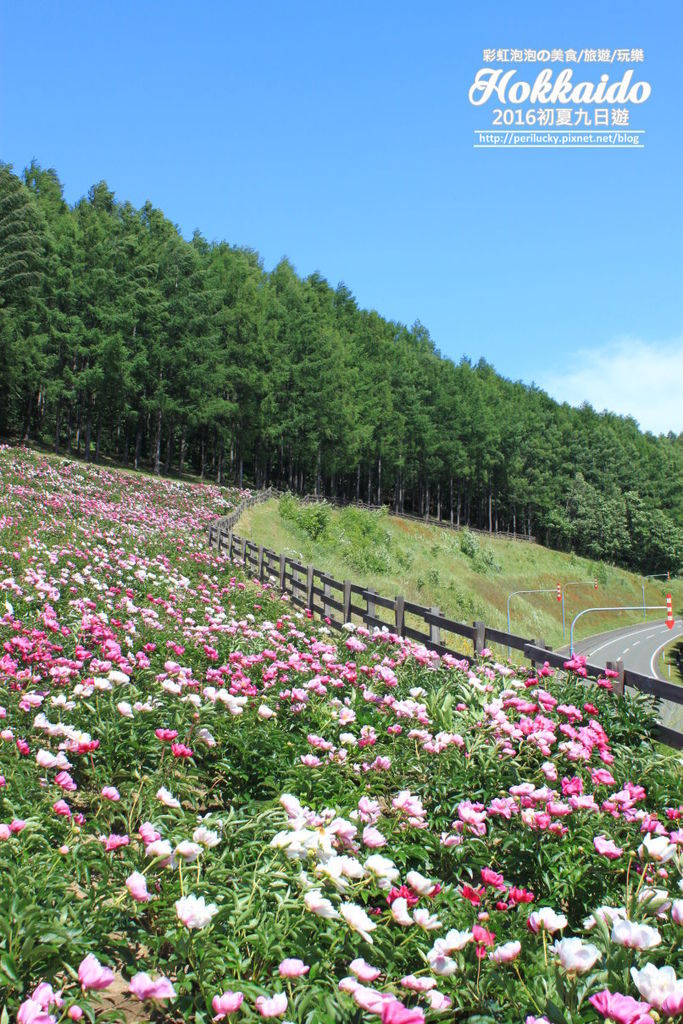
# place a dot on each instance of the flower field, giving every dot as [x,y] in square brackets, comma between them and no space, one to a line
[213,808]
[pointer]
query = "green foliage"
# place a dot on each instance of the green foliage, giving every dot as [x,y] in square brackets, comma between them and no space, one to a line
[142,347]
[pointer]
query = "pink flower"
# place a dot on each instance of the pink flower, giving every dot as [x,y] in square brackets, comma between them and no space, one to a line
[62,808]
[113,842]
[92,974]
[74,1012]
[373,838]
[148,833]
[506,953]
[111,793]
[228,1002]
[136,884]
[293,968]
[363,970]
[394,1012]
[273,1006]
[607,848]
[144,987]
[621,1009]
[31,1012]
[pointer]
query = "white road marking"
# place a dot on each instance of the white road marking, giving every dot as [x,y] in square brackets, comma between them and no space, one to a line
[616,639]
[653,670]
[650,635]
[626,650]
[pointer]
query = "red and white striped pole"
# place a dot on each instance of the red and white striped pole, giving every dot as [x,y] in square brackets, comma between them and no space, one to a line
[669,613]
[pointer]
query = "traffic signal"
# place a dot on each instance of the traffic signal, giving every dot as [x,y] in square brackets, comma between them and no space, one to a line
[595,584]
[559,592]
[668,574]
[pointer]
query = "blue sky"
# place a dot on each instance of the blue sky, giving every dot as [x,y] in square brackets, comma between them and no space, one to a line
[340,135]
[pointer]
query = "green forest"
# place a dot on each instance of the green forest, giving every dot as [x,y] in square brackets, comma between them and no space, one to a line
[121,339]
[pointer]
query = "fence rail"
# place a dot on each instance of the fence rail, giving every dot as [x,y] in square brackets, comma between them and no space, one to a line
[337,602]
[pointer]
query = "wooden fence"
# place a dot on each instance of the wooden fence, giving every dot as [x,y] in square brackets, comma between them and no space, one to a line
[338,602]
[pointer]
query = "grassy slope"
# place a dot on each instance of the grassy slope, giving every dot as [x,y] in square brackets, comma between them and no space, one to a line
[427,565]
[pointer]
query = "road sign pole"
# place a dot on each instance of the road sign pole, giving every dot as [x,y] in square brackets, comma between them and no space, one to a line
[616,608]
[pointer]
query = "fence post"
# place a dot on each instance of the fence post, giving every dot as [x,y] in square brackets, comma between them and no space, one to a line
[536,643]
[309,587]
[244,551]
[370,606]
[260,562]
[346,614]
[618,683]
[400,612]
[230,544]
[479,636]
[283,568]
[434,630]
[327,610]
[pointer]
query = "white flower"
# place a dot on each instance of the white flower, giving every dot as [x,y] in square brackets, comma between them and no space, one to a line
[319,905]
[399,912]
[124,708]
[655,983]
[167,799]
[545,917]
[453,940]
[265,712]
[607,914]
[440,963]
[357,920]
[574,956]
[188,851]
[159,848]
[206,836]
[657,848]
[424,919]
[634,935]
[194,911]
[384,870]
[419,884]
[506,953]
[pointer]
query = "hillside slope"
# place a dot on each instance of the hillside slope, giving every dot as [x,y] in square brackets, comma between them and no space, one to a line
[464,574]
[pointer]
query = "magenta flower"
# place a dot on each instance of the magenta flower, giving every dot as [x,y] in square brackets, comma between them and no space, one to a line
[293,968]
[144,987]
[92,974]
[394,1012]
[607,848]
[228,1002]
[272,1006]
[621,1009]
[136,884]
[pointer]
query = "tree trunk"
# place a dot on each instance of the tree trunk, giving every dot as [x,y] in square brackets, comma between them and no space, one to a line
[98,442]
[157,444]
[183,445]
[169,451]
[379,480]
[490,507]
[138,441]
[58,423]
[88,430]
[438,501]
[358,482]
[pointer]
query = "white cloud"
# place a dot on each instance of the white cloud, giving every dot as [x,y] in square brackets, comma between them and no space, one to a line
[631,377]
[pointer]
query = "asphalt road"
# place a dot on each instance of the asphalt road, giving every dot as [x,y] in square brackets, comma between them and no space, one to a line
[639,648]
